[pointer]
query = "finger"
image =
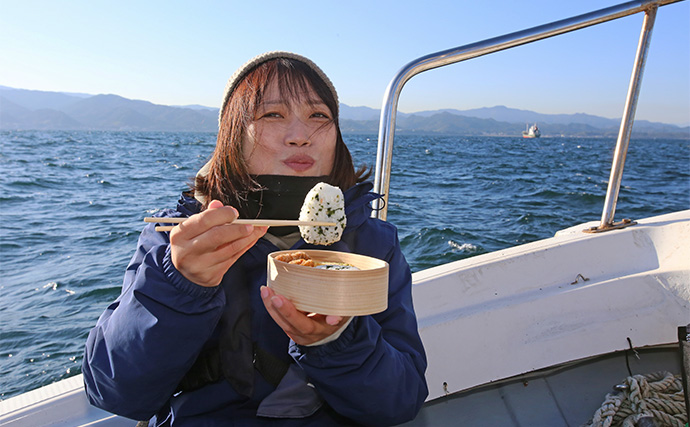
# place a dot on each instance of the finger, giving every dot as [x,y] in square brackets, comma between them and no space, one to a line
[215,204]
[216,215]
[205,258]
[279,309]
[229,252]
[208,268]
[308,327]
[202,240]
[301,328]
[328,319]
[234,237]
[333,320]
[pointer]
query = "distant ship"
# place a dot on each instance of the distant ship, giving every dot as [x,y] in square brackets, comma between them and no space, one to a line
[531,132]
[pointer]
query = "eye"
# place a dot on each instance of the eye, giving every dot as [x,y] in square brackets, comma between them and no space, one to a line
[271,115]
[321,115]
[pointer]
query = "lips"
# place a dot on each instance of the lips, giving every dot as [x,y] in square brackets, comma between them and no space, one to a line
[299,163]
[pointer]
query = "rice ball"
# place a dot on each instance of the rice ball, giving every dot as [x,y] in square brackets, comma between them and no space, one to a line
[326,203]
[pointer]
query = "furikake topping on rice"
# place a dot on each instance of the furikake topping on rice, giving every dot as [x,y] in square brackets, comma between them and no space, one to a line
[324,202]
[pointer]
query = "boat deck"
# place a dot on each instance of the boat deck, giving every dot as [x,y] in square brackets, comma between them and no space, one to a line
[566,396]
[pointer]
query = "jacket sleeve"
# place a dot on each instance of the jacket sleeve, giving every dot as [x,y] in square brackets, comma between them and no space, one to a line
[144,342]
[374,372]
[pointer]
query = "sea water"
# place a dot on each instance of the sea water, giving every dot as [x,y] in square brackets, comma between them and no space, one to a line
[73,205]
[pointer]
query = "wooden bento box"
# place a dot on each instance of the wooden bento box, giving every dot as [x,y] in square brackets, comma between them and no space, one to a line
[331,292]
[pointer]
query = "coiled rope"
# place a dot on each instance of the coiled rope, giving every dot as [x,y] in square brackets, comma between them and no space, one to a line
[657,396]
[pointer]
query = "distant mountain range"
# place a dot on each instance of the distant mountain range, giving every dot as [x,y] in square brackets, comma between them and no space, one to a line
[28,109]
[502,121]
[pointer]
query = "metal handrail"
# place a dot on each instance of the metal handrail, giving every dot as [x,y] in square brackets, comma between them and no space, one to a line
[384,154]
[627,120]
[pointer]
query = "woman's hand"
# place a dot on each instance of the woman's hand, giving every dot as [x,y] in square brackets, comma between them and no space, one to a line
[302,328]
[205,246]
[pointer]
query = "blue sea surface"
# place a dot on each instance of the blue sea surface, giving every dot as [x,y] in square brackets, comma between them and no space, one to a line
[73,205]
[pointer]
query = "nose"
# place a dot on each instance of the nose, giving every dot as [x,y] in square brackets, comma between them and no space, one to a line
[297,133]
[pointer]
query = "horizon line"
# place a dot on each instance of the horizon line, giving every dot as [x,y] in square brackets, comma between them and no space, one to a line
[86,95]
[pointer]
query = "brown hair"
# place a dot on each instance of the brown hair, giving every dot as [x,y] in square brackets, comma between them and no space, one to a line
[227,179]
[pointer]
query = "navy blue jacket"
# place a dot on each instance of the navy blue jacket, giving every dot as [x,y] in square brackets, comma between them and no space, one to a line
[145,341]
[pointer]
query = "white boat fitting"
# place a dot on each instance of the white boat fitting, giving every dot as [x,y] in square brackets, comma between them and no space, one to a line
[531,335]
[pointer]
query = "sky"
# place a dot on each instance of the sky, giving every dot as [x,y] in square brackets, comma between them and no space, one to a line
[176,52]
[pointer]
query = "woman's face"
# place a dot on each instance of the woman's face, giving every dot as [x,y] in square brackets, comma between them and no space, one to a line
[290,137]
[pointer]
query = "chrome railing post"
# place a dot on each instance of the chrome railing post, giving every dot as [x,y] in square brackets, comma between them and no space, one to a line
[607,215]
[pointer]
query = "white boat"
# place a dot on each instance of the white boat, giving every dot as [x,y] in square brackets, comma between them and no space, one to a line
[532,335]
[531,131]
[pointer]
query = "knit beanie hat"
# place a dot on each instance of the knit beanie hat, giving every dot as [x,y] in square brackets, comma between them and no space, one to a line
[257,60]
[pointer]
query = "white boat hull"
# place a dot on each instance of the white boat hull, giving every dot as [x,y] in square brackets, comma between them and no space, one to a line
[63,403]
[518,310]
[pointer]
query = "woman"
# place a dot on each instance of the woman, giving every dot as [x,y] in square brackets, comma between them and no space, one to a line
[196,338]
